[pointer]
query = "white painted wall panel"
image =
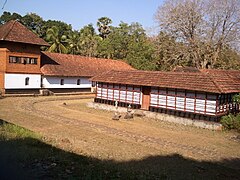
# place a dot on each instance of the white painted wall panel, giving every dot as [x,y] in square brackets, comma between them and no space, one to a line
[188,104]
[154,101]
[200,101]
[162,96]
[17,81]
[69,82]
[171,98]
[122,95]
[180,99]
[162,102]
[190,100]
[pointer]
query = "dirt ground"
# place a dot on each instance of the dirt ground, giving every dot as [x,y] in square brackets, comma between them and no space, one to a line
[70,125]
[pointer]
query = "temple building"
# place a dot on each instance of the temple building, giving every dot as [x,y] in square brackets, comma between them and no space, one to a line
[24,68]
[206,93]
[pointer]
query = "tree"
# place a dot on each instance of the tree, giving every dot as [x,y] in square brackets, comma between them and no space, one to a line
[128,42]
[7,16]
[228,59]
[56,40]
[88,41]
[103,26]
[206,28]
[183,20]
[168,53]
[73,43]
[33,22]
[115,46]
[223,26]
[140,49]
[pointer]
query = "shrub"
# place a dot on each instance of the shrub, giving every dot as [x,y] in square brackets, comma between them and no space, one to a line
[236,98]
[227,121]
[231,122]
[237,122]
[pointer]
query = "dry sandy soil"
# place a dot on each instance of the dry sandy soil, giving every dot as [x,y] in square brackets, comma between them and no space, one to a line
[70,125]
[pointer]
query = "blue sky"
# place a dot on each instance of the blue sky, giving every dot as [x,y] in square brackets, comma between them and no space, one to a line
[82,12]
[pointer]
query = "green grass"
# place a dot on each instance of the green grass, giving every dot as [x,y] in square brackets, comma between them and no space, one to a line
[24,154]
[11,131]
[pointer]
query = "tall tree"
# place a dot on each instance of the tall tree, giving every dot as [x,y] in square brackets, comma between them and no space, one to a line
[7,16]
[128,42]
[223,26]
[73,42]
[33,22]
[116,44]
[88,41]
[56,40]
[204,27]
[140,49]
[168,53]
[103,25]
[183,20]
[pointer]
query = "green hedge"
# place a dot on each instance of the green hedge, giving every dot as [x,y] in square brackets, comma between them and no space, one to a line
[231,122]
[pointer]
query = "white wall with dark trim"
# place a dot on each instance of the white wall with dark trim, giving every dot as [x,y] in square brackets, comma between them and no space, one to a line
[18,81]
[69,82]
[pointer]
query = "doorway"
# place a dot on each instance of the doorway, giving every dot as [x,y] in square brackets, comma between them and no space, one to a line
[145,97]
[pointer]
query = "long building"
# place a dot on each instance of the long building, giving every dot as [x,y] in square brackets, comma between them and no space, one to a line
[207,92]
[24,68]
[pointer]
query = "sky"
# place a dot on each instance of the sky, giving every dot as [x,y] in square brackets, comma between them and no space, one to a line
[79,13]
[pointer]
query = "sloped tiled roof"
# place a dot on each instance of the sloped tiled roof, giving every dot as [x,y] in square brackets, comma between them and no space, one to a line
[55,64]
[206,82]
[226,80]
[14,31]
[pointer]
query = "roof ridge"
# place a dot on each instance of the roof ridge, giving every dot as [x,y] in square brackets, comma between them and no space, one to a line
[10,29]
[214,82]
[86,57]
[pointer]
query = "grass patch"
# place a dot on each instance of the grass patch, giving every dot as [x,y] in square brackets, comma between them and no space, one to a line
[10,131]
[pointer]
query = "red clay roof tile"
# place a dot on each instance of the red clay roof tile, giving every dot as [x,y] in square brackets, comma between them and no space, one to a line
[55,64]
[206,82]
[14,31]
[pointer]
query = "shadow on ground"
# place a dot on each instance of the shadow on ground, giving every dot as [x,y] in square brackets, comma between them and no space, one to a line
[30,158]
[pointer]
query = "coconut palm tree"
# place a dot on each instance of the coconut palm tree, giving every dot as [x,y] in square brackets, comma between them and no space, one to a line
[88,41]
[56,40]
[73,43]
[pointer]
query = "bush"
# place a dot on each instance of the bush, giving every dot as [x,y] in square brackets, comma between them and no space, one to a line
[231,122]
[236,98]
[237,122]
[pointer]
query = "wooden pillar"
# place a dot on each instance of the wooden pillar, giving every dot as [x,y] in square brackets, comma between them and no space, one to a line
[166,98]
[217,105]
[107,91]
[195,95]
[185,94]
[175,93]
[101,89]
[205,108]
